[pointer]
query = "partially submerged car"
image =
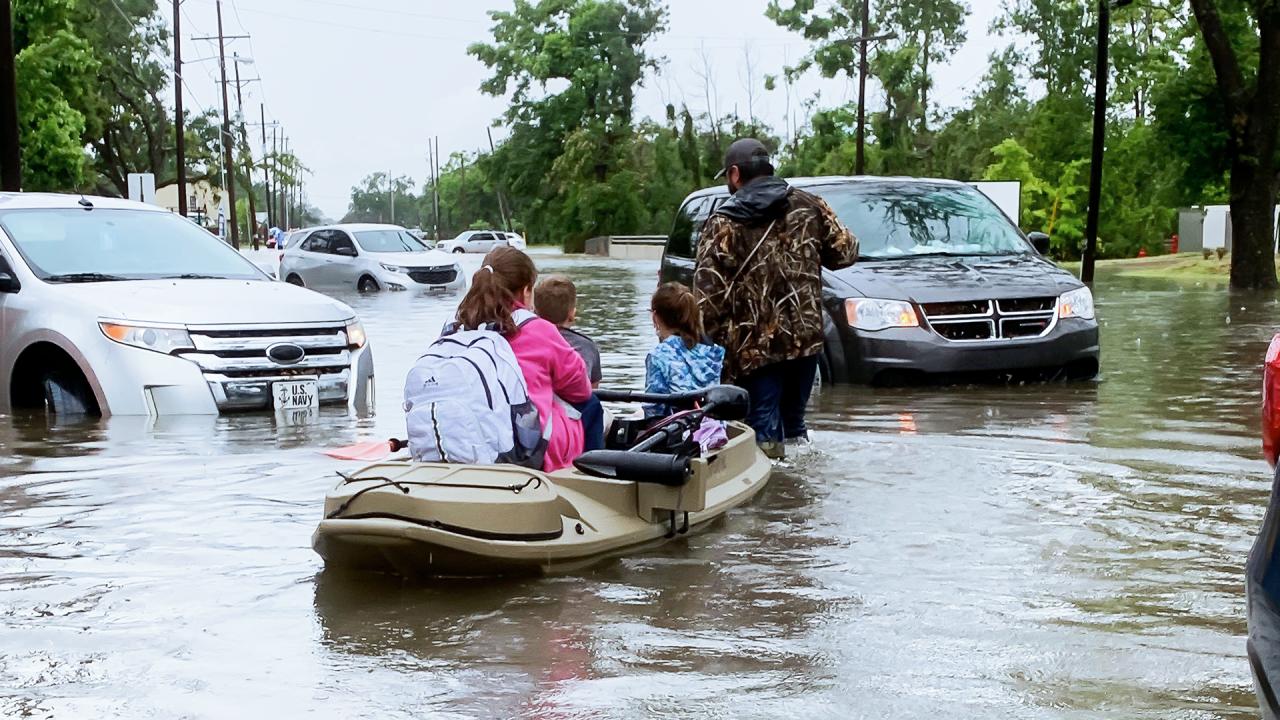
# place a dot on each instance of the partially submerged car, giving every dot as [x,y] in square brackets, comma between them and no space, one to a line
[945,284]
[367,257]
[114,307]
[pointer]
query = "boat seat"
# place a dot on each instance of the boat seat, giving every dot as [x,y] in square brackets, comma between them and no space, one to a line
[642,467]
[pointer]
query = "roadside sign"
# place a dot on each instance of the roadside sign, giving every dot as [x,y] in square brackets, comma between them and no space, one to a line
[142,187]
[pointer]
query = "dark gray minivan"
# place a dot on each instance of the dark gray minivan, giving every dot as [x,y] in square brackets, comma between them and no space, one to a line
[945,285]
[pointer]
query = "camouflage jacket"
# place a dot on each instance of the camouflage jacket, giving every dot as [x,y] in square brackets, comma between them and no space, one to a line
[758,277]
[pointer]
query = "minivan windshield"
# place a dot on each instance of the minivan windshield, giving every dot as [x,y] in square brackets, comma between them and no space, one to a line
[388,241]
[76,245]
[908,219]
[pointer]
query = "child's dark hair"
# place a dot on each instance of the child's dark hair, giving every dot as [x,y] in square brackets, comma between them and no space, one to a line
[503,275]
[555,298]
[677,309]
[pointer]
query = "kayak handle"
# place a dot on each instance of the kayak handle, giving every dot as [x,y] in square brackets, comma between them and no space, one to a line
[722,402]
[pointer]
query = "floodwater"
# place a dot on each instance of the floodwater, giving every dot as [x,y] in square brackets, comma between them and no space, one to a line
[1048,551]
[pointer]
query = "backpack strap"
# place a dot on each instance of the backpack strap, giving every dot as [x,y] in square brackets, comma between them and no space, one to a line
[523,316]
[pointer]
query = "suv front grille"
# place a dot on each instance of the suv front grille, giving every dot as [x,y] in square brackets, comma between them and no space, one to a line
[992,320]
[242,352]
[433,276]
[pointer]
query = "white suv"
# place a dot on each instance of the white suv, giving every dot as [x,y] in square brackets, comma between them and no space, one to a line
[367,257]
[481,241]
[114,307]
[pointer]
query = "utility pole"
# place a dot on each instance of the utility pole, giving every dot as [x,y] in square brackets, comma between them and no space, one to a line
[1099,138]
[435,185]
[227,162]
[10,153]
[391,190]
[273,191]
[244,148]
[859,161]
[266,169]
[502,206]
[179,132]
[289,185]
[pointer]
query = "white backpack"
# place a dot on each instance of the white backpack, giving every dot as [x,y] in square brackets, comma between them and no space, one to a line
[465,401]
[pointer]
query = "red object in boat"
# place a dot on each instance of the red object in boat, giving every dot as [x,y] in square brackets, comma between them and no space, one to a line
[1271,402]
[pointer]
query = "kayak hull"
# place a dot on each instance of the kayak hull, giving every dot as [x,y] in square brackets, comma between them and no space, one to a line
[430,519]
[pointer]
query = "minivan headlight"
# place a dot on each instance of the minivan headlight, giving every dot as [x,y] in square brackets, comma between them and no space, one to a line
[877,314]
[395,268]
[355,335]
[1076,304]
[160,339]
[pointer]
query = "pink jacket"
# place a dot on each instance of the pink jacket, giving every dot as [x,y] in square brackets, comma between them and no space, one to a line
[552,367]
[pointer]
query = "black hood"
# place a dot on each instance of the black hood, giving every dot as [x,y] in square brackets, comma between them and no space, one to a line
[946,279]
[760,199]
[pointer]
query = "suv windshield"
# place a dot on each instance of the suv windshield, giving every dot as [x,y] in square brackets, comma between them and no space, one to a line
[906,219]
[388,241]
[66,245]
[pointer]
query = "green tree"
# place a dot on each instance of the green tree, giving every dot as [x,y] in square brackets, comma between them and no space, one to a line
[371,201]
[1242,40]
[597,49]
[56,71]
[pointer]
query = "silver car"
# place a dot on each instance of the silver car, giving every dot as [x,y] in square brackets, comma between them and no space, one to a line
[367,258]
[112,307]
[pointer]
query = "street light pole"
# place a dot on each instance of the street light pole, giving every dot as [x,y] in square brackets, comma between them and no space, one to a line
[10,155]
[1099,137]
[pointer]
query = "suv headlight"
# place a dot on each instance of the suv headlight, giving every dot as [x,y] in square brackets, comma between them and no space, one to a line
[877,314]
[355,335]
[1076,304]
[395,268]
[160,339]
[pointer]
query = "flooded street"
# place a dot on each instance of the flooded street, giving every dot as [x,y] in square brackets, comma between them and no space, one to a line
[1048,551]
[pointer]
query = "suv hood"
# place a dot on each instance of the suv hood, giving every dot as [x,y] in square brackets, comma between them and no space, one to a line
[945,279]
[425,258]
[207,302]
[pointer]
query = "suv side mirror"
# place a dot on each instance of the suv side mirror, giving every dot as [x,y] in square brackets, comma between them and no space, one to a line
[1040,241]
[8,280]
[345,251]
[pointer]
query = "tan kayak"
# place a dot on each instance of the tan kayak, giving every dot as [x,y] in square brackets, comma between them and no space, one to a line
[433,519]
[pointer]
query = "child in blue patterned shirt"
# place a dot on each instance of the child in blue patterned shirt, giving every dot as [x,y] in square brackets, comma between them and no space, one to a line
[683,361]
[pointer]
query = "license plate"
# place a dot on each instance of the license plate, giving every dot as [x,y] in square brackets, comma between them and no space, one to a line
[295,394]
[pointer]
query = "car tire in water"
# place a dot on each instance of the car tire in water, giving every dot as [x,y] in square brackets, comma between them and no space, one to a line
[66,394]
[367,285]
[293,279]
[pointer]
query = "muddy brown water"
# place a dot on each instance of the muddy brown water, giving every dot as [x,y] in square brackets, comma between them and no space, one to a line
[1047,551]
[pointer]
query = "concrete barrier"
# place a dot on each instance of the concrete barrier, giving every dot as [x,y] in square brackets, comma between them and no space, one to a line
[628,247]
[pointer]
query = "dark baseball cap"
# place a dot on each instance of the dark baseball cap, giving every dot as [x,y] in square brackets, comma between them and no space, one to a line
[744,152]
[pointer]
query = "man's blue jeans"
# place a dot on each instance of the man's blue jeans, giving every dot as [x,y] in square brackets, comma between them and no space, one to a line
[779,393]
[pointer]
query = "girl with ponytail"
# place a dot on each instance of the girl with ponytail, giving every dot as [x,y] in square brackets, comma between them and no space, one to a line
[684,360]
[551,367]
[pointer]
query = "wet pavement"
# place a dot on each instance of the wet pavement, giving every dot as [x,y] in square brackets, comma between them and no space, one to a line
[1047,551]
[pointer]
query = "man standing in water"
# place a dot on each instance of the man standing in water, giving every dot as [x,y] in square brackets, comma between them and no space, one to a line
[759,286]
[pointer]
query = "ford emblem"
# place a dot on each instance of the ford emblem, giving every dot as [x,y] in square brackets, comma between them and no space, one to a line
[286,353]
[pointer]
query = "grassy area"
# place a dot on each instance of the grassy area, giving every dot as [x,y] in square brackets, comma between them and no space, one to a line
[1183,266]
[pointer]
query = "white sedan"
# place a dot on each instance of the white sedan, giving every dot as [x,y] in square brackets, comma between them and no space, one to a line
[482,241]
[367,258]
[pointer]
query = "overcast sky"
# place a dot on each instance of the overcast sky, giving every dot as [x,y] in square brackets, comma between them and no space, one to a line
[359,86]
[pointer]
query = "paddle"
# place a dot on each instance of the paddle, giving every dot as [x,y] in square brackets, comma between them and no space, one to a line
[371,450]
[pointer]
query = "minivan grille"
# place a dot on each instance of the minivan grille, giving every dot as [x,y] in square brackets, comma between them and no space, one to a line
[991,320]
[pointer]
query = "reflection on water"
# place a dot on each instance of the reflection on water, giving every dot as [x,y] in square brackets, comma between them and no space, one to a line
[1042,551]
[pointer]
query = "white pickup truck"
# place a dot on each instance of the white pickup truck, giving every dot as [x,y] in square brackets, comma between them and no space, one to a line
[114,307]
